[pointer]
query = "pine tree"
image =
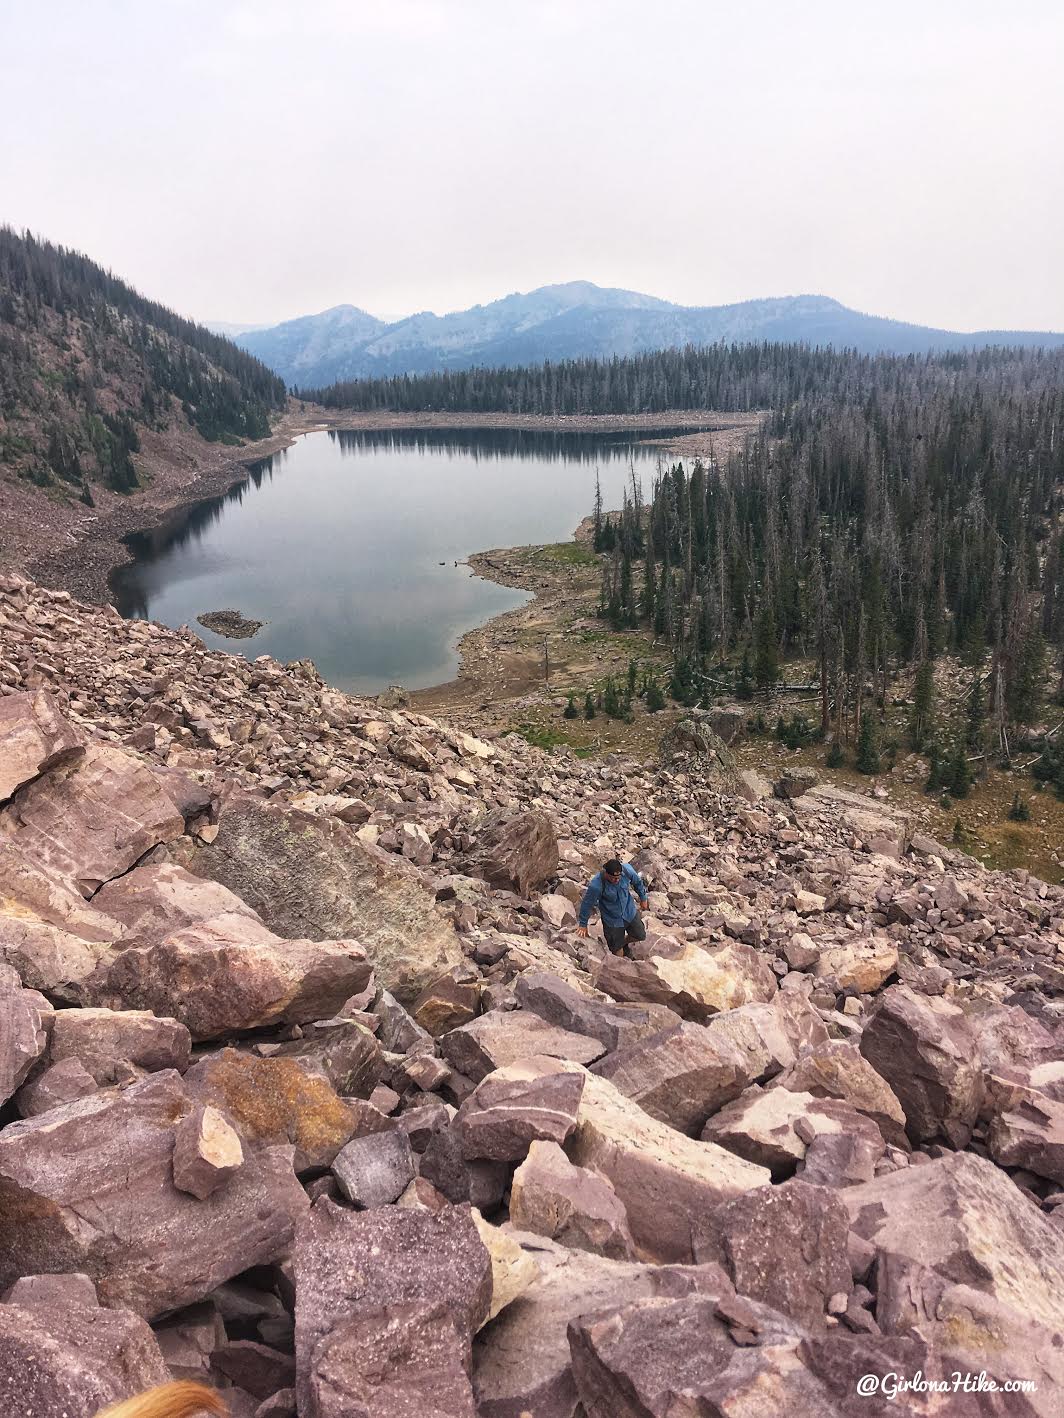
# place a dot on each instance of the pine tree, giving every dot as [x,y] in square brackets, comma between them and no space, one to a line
[655,698]
[960,774]
[923,704]
[589,706]
[570,711]
[766,647]
[744,682]
[975,724]
[867,760]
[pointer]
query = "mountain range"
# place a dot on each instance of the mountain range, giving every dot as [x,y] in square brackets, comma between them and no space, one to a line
[579,319]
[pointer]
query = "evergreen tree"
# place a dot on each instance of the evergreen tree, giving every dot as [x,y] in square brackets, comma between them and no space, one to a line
[570,711]
[766,647]
[744,681]
[867,760]
[655,698]
[589,706]
[923,704]
[975,725]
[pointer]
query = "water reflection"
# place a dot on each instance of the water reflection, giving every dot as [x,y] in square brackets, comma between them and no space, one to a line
[346,543]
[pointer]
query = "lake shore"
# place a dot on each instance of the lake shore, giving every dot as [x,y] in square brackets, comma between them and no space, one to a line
[67,546]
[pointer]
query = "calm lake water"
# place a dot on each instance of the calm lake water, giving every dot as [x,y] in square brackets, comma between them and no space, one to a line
[346,544]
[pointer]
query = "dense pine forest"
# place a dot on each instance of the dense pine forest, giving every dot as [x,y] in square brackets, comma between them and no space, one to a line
[897,512]
[87,364]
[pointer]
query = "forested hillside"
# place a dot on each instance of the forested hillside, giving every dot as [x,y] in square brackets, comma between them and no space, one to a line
[87,365]
[891,511]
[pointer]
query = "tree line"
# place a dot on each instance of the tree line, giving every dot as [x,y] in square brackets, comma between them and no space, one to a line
[874,525]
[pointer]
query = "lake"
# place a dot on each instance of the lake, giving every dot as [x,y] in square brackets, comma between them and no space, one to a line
[346,544]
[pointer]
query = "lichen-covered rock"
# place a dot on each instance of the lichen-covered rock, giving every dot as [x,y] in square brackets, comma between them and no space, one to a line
[312,877]
[273,1101]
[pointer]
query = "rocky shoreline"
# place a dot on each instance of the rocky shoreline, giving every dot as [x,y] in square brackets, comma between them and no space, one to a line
[312,1093]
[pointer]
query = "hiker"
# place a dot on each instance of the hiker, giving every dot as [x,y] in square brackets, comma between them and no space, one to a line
[610,893]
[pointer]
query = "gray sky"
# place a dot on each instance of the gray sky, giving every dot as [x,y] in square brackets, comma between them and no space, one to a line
[256,161]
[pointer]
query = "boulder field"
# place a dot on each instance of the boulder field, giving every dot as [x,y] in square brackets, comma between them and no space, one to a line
[309,1090]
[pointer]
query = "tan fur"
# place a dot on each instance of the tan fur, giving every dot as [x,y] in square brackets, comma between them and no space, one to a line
[180,1400]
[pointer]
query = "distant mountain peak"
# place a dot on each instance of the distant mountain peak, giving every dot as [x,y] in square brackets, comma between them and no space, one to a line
[573,319]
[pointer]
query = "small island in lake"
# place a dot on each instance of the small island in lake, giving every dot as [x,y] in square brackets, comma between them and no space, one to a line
[230,623]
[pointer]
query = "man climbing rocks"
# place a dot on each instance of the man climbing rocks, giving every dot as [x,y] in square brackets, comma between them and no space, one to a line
[610,893]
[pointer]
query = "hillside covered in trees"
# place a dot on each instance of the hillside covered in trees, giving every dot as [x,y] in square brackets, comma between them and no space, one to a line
[87,365]
[891,512]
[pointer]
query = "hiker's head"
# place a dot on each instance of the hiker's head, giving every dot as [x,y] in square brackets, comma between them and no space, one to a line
[612,869]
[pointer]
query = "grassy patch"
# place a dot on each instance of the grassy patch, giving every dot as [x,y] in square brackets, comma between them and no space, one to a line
[569,554]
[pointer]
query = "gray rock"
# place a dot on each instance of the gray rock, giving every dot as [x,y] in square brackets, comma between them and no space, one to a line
[374,1170]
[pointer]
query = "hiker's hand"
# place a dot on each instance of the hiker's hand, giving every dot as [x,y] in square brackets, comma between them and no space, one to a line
[640,905]
[582,930]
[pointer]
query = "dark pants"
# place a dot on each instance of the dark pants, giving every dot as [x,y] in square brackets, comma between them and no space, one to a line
[617,937]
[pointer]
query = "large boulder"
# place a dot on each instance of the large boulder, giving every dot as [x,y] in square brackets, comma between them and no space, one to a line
[390,1361]
[66,1357]
[49,933]
[229,974]
[965,1218]
[835,1069]
[571,1205]
[925,1049]
[273,1101]
[784,1246]
[663,1179]
[34,737]
[89,1187]
[101,1039]
[517,852]
[1030,1135]
[93,817]
[25,1022]
[312,877]
[659,1357]
[504,1036]
[681,1076]
[365,1284]
[158,898]
[562,1004]
[695,982]
[774,1128]
[534,1099]
[521,1361]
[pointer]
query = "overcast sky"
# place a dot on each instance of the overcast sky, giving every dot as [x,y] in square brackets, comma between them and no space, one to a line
[256,161]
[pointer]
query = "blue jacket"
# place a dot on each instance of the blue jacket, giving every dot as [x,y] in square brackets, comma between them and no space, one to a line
[612,899]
